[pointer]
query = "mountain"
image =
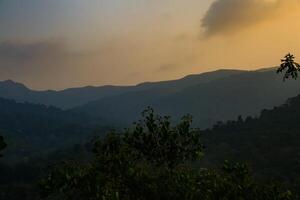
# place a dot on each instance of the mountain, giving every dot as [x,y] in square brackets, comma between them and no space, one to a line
[270,142]
[223,98]
[64,99]
[73,97]
[188,81]
[31,129]
[209,97]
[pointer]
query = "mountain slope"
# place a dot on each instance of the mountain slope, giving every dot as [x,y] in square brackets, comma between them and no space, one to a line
[78,96]
[270,142]
[64,99]
[224,98]
[31,129]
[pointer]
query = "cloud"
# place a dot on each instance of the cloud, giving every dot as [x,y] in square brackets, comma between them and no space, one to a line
[229,16]
[36,63]
[23,52]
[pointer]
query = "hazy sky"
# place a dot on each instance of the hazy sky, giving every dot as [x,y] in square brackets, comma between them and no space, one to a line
[55,44]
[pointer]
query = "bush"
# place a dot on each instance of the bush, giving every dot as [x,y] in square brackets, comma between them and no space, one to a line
[154,160]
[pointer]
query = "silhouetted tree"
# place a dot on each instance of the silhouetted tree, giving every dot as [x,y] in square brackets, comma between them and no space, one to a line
[292,68]
[154,160]
[2,145]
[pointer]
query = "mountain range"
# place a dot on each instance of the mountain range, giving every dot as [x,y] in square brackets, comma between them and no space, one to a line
[42,127]
[220,99]
[73,97]
[213,96]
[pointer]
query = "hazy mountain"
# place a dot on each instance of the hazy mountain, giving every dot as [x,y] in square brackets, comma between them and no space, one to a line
[209,97]
[188,81]
[78,96]
[31,129]
[223,98]
[64,99]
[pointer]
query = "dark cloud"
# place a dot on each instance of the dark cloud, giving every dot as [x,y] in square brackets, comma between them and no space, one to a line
[35,63]
[227,16]
[28,52]
[53,64]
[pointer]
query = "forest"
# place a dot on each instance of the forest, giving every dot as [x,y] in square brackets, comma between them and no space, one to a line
[149,100]
[50,153]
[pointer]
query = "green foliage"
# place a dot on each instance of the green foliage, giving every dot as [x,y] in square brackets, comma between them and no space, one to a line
[270,143]
[155,140]
[2,144]
[234,182]
[153,160]
[130,165]
[292,68]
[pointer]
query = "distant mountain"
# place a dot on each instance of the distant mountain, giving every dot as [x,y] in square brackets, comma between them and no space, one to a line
[270,142]
[64,99]
[209,97]
[188,81]
[217,99]
[73,97]
[31,129]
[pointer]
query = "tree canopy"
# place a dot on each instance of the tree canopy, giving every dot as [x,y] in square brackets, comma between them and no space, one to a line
[290,67]
[2,144]
[154,160]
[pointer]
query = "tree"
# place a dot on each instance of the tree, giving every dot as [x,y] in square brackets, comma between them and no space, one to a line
[292,68]
[2,144]
[140,163]
[153,160]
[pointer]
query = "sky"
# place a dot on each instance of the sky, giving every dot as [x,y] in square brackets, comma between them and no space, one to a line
[57,44]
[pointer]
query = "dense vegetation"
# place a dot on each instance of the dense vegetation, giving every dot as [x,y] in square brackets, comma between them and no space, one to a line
[154,160]
[271,142]
[2,144]
[36,136]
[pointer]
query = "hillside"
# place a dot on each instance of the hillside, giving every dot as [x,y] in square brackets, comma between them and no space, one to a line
[31,129]
[244,93]
[72,97]
[64,99]
[38,135]
[270,143]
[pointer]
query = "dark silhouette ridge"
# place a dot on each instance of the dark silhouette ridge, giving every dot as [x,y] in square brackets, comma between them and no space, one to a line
[72,97]
[245,93]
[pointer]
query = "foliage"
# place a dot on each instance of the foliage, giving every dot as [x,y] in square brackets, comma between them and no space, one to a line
[153,160]
[2,144]
[128,165]
[270,142]
[292,68]
[234,182]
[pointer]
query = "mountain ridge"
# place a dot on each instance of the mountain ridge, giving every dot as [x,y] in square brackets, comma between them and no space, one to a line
[72,97]
[217,100]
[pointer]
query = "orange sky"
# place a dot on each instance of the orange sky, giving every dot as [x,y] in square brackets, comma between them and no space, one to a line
[131,41]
